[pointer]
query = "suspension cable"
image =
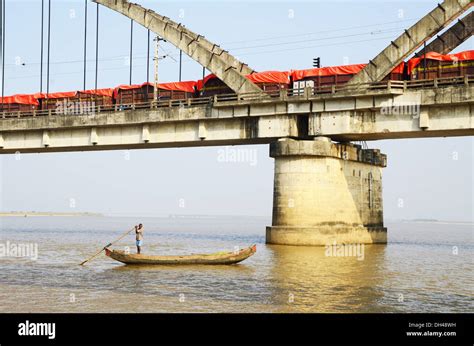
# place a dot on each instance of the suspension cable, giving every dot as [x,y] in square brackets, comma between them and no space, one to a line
[49,48]
[131,51]
[3,49]
[97,47]
[148,58]
[1,45]
[42,46]
[85,44]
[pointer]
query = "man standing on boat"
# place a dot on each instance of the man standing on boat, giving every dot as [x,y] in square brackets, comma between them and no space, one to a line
[139,237]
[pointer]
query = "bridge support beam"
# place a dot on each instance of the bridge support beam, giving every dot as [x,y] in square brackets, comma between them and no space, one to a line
[452,38]
[326,192]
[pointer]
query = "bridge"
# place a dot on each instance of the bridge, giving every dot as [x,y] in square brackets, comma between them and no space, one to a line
[326,188]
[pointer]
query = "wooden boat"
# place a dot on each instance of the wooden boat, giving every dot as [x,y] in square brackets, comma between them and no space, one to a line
[216,258]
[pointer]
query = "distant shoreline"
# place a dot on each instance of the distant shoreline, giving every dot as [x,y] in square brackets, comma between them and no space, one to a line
[42,213]
[194,216]
[441,222]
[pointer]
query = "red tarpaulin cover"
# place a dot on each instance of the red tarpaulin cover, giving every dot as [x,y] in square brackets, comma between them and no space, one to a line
[187,86]
[270,77]
[200,83]
[399,68]
[100,92]
[327,71]
[58,95]
[462,56]
[133,86]
[178,86]
[22,99]
[129,87]
[277,77]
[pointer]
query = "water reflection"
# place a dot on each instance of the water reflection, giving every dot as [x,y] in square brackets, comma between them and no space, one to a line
[240,269]
[308,280]
[205,281]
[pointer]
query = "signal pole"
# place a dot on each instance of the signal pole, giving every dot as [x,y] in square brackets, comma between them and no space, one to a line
[317,62]
[180,63]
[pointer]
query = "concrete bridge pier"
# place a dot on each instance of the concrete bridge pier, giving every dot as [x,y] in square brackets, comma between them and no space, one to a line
[326,192]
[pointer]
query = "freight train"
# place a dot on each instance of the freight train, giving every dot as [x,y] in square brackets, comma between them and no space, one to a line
[429,66]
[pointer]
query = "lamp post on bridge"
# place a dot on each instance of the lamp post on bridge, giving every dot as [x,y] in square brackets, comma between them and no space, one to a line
[157,39]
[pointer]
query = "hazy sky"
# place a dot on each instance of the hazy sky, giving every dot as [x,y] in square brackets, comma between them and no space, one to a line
[425,178]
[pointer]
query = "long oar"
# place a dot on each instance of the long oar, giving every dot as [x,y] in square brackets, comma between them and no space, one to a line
[110,244]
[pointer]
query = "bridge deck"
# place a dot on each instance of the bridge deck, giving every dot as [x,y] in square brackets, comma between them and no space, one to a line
[388,110]
[224,100]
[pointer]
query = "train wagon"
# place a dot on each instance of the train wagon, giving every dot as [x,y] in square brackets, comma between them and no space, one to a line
[144,93]
[55,102]
[74,102]
[398,73]
[12,105]
[133,94]
[269,81]
[434,65]
[323,78]
[97,97]
[176,90]
[211,85]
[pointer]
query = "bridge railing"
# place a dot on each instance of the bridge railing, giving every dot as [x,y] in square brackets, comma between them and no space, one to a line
[437,82]
[282,94]
[312,91]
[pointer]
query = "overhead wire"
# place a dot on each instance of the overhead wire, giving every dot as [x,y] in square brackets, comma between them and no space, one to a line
[273,51]
[318,32]
[120,57]
[251,48]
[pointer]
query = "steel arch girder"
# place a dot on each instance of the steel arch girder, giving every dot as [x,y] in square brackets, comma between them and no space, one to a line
[453,37]
[225,66]
[410,40]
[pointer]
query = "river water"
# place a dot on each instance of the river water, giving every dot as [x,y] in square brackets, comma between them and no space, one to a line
[426,267]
